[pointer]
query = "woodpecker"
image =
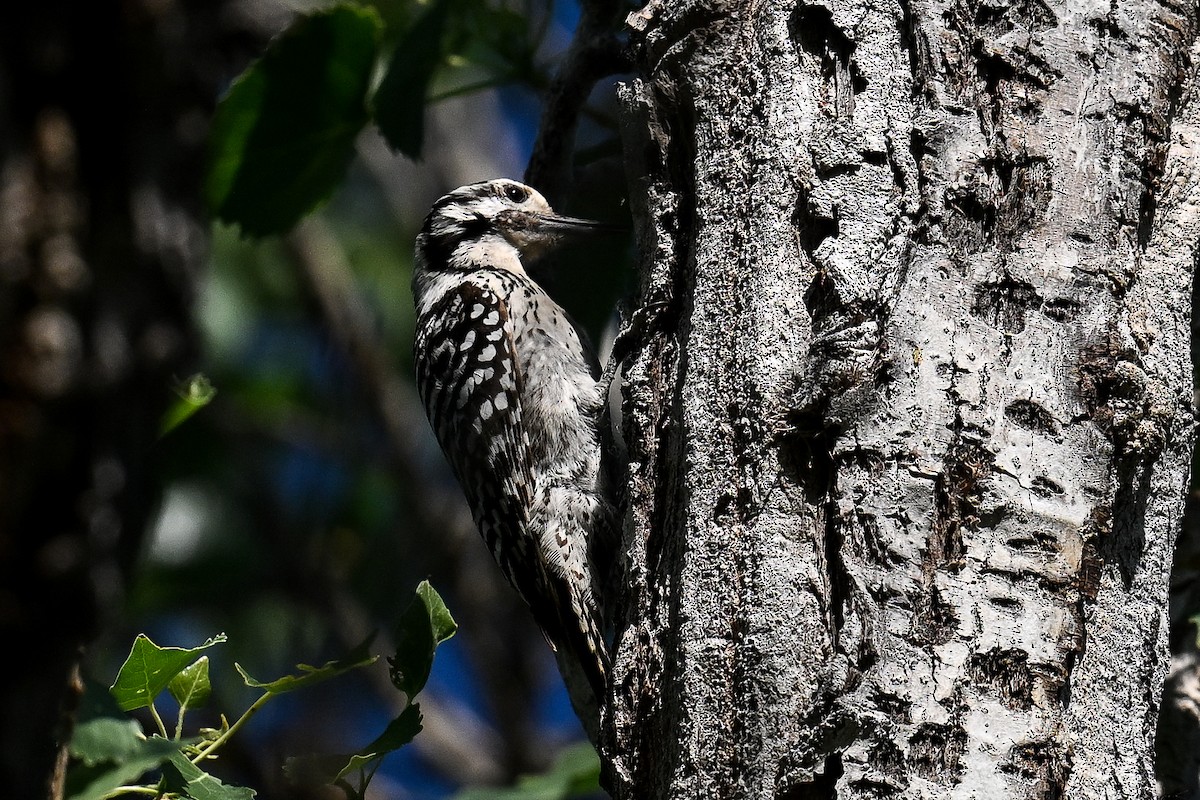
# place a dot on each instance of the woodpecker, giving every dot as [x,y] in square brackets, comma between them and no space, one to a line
[513,396]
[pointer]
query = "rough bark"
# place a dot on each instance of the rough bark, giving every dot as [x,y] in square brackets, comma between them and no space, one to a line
[908,402]
[1178,739]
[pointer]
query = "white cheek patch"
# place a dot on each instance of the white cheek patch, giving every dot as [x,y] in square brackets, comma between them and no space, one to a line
[485,206]
[492,251]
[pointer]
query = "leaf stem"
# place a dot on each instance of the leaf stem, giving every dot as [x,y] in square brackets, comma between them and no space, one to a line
[468,88]
[242,720]
[162,729]
[120,790]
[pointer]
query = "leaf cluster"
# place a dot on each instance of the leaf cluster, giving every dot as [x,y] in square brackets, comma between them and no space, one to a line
[283,135]
[114,757]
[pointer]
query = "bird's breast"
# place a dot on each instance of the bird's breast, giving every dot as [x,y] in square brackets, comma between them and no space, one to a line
[561,399]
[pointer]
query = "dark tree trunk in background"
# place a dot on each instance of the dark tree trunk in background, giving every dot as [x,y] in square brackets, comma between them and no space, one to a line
[103,113]
[909,408]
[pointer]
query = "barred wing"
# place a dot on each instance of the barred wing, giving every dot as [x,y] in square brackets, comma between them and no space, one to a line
[470,384]
[471,389]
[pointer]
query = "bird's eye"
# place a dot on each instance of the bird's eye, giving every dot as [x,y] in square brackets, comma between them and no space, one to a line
[516,193]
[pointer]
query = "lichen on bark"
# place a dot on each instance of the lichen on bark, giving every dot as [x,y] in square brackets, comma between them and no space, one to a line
[910,419]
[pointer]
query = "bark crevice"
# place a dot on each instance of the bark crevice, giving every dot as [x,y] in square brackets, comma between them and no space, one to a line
[919,358]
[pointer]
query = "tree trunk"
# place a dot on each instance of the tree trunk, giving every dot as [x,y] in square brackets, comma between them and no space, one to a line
[908,403]
[103,110]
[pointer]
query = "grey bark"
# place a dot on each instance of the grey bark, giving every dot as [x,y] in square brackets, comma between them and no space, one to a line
[908,400]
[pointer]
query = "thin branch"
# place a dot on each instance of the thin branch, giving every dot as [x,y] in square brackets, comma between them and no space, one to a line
[469,88]
[594,53]
[322,269]
[238,724]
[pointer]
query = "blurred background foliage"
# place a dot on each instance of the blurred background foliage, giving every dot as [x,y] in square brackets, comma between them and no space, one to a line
[302,505]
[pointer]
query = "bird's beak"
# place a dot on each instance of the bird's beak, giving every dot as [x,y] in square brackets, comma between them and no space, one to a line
[558,225]
[535,234]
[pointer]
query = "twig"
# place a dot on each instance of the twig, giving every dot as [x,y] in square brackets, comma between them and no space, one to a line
[594,52]
[321,267]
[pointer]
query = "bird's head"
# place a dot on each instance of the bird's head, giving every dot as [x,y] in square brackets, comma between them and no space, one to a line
[499,223]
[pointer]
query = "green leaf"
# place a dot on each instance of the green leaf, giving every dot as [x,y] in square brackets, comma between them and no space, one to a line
[106,739]
[194,394]
[496,38]
[358,657]
[149,668]
[97,702]
[185,778]
[424,625]
[284,133]
[575,773]
[327,769]
[399,102]
[96,782]
[399,732]
[443,624]
[103,733]
[191,688]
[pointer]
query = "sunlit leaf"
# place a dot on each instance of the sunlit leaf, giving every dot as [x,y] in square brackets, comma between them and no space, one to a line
[149,668]
[284,133]
[185,778]
[424,625]
[443,624]
[358,657]
[191,687]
